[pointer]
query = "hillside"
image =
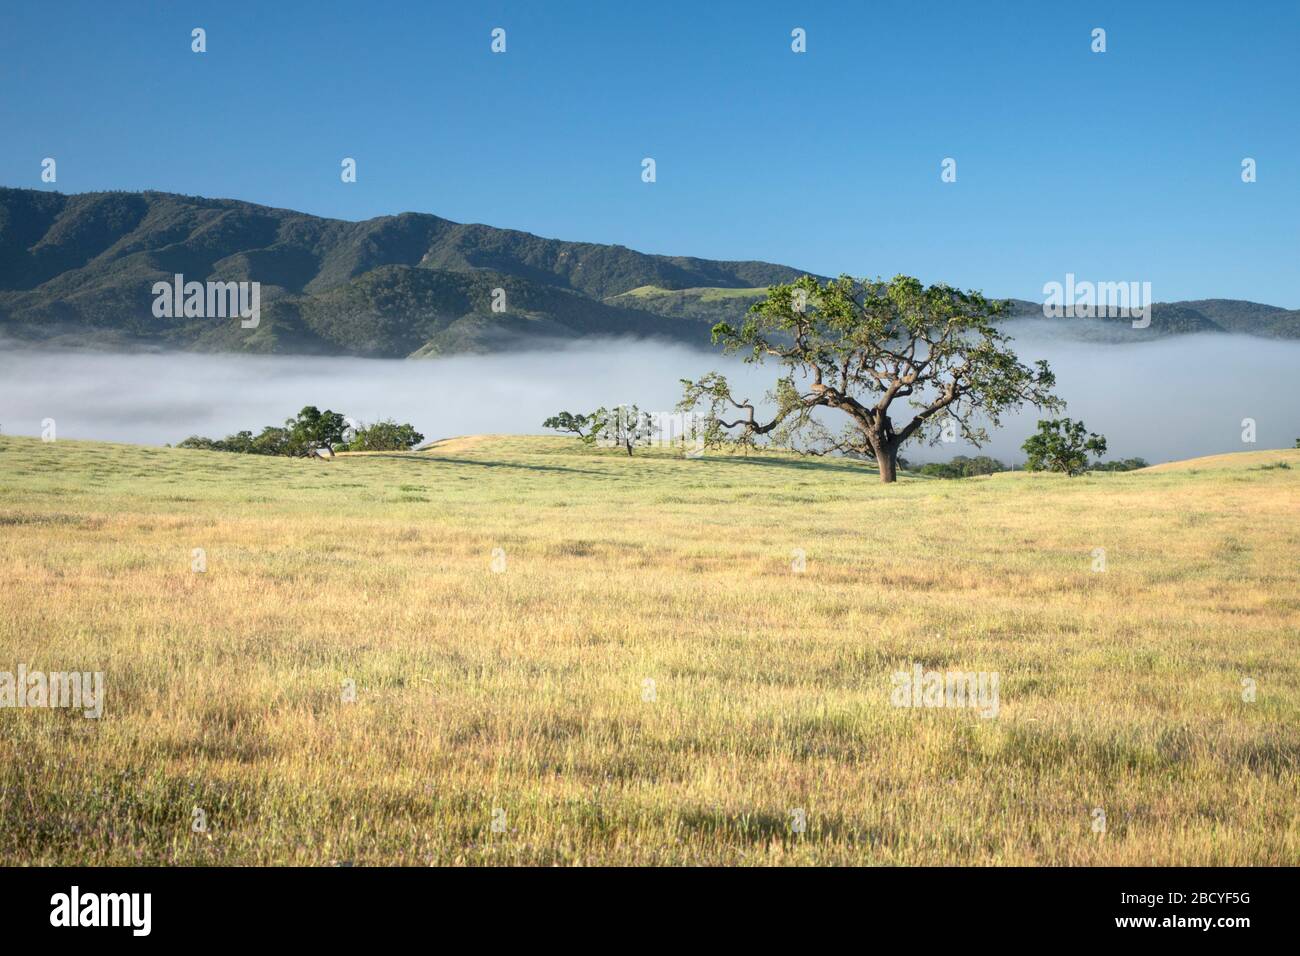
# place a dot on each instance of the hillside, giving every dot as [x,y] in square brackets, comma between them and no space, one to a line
[707,305]
[79,270]
[620,655]
[1281,458]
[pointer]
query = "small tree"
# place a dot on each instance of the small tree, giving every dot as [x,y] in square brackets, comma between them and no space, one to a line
[1060,445]
[861,346]
[584,426]
[624,426]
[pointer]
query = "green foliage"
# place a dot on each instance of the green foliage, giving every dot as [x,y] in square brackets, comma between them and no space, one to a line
[271,441]
[860,346]
[314,429]
[309,431]
[385,435]
[584,426]
[1062,445]
[713,392]
[203,444]
[390,286]
[1125,464]
[624,426]
[329,286]
[962,466]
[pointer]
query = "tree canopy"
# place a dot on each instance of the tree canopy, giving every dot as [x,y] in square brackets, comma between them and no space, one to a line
[1062,444]
[859,347]
[624,426]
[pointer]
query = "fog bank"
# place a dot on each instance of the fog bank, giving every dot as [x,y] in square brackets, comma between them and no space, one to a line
[1161,400]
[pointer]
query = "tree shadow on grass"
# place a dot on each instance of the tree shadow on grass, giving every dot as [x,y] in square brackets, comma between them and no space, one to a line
[844,466]
[821,465]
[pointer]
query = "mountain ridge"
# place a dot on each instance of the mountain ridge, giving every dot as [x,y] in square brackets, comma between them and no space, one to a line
[78,269]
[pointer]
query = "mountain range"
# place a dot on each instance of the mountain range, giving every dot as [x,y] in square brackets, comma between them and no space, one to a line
[79,270]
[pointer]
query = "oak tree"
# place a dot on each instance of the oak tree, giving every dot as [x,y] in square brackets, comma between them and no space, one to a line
[866,349]
[1062,444]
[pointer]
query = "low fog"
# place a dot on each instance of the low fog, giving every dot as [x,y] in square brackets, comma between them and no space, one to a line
[1160,400]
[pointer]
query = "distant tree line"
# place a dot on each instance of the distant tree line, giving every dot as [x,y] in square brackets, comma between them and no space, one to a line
[310,432]
[962,467]
[1125,464]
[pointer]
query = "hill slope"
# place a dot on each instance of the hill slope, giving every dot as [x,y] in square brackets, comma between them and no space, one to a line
[79,269]
[1264,460]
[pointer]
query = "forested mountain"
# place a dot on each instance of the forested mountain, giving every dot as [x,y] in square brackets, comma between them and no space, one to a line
[79,270]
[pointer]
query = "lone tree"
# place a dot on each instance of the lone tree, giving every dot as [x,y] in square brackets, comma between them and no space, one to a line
[584,426]
[859,347]
[1060,445]
[624,426]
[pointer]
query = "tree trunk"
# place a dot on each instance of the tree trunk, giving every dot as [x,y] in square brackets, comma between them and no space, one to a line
[885,450]
[887,461]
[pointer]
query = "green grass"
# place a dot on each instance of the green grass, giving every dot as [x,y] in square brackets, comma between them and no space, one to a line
[523,690]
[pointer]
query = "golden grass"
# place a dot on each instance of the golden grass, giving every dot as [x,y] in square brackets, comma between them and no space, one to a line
[1236,461]
[523,690]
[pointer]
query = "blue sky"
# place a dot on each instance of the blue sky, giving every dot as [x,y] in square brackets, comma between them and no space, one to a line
[1116,166]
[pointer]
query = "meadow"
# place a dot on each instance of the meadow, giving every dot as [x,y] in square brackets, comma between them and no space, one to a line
[520,650]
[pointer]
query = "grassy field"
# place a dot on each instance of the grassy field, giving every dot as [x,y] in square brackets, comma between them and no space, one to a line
[520,694]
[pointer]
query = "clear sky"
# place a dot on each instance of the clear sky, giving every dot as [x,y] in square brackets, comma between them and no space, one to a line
[1116,166]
